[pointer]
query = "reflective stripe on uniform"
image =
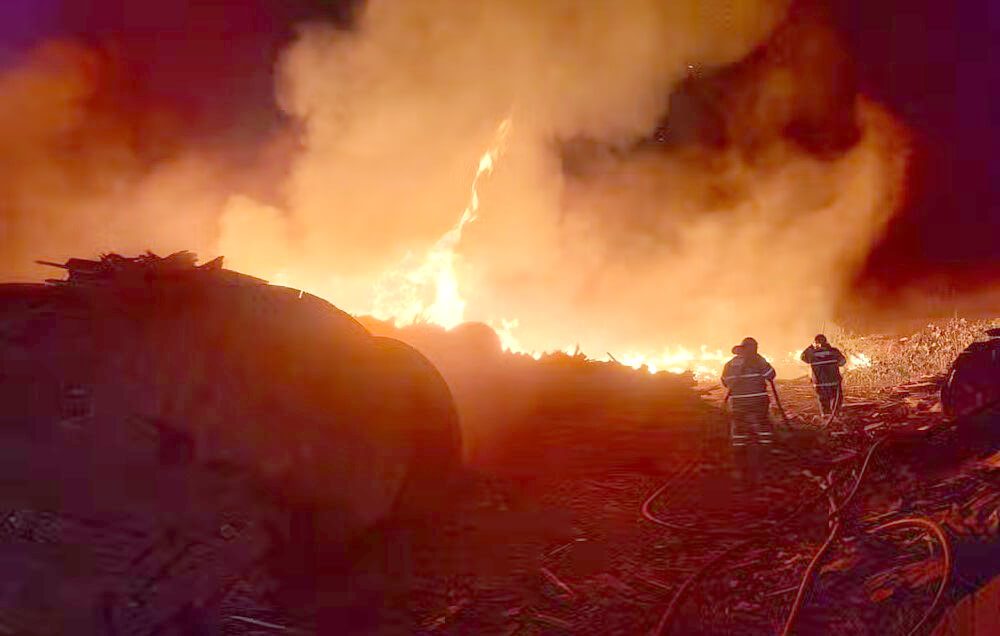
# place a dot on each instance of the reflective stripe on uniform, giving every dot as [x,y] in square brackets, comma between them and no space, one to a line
[747,395]
[816,364]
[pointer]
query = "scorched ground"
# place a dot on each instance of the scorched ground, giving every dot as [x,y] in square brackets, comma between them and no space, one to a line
[592,498]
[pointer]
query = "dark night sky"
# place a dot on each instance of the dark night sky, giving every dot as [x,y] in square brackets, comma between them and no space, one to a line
[928,60]
[210,60]
[931,62]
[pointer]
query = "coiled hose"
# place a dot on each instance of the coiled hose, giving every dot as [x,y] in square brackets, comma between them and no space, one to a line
[836,519]
[749,536]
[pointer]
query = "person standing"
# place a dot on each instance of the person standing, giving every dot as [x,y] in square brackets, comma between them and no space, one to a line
[826,361]
[746,376]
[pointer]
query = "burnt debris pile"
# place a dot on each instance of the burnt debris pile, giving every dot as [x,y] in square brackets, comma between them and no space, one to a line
[557,412]
[611,551]
[116,270]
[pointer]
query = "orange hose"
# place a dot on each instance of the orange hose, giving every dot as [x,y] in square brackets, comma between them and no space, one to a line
[934,528]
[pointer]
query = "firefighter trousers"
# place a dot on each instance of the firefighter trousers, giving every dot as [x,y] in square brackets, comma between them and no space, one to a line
[828,397]
[751,436]
[750,423]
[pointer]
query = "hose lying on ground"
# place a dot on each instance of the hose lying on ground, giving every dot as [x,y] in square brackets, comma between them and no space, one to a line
[764,527]
[836,518]
[691,580]
[754,536]
[927,524]
[946,554]
[836,511]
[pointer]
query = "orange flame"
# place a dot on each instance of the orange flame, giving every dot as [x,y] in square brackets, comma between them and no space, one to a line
[429,291]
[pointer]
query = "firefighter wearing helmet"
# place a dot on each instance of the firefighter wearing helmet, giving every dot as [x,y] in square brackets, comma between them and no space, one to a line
[825,361]
[746,377]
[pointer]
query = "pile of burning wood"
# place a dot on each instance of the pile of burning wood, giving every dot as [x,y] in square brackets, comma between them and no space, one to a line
[513,405]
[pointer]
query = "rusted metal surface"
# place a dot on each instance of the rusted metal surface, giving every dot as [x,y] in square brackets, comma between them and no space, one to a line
[976,615]
[200,419]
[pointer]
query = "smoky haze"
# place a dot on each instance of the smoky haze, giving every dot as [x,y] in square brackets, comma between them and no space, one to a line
[591,230]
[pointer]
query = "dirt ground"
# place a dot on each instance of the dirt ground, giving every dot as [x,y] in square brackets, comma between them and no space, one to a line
[551,538]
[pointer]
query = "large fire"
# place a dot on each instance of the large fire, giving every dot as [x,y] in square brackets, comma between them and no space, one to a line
[428,291]
[586,231]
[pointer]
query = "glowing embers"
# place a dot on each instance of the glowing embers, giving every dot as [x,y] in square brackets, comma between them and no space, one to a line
[705,363]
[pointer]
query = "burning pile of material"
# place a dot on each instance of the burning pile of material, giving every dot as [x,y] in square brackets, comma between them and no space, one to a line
[658,172]
[503,397]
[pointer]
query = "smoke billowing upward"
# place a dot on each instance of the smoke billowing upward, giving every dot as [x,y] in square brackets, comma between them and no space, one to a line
[78,177]
[587,234]
[675,172]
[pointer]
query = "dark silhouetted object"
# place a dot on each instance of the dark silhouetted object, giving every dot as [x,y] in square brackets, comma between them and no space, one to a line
[973,383]
[167,426]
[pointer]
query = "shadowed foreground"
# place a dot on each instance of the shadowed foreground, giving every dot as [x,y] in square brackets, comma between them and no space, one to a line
[169,427]
[191,451]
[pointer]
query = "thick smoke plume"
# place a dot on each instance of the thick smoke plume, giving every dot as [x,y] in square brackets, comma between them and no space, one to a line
[749,216]
[78,176]
[585,235]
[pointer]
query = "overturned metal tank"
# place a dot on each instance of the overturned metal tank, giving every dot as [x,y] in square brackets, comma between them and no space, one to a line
[166,425]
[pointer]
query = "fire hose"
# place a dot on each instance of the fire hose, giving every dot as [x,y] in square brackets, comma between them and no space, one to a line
[837,403]
[749,536]
[921,522]
[777,401]
[836,522]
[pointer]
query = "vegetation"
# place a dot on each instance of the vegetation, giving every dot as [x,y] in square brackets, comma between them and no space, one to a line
[894,361]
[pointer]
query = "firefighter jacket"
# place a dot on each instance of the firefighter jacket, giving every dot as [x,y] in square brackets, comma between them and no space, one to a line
[825,362]
[747,377]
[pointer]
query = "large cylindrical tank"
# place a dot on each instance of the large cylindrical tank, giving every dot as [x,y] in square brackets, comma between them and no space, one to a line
[125,394]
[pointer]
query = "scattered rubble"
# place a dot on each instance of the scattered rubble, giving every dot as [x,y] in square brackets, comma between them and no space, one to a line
[546,535]
[596,567]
